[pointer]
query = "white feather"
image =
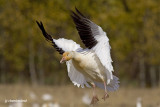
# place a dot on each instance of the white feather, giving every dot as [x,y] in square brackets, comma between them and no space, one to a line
[75,76]
[67,45]
[102,49]
[113,86]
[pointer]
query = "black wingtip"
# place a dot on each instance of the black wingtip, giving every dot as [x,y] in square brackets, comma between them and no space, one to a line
[75,15]
[38,23]
[79,12]
[49,37]
[45,34]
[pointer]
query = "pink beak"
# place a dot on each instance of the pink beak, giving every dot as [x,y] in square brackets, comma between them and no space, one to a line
[62,60]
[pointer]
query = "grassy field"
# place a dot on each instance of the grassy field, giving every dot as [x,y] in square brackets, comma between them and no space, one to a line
[70,96]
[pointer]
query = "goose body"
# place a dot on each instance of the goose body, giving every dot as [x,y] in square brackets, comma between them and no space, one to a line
[91,66]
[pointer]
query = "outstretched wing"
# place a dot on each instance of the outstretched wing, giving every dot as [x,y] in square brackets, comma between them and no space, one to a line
[94,38]
[61,45]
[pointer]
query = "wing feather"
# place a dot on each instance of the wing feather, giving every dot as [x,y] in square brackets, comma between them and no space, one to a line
[61,45]
[75,76]
[67,45]
[113,86]
[95,39]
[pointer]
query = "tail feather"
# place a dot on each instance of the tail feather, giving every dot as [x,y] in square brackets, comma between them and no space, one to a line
[113,86]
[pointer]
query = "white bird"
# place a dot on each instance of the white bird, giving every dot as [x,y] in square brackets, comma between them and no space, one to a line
[56,104]
[16,104]
[47,97]
[91,66]
[139,102]
[51,104]
[85,99]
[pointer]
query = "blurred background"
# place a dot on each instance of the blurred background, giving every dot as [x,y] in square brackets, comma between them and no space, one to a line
[30,68]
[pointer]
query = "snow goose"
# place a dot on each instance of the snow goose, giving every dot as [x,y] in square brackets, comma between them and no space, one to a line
[51,104]
[139,102]
[85,99]
[16,104]
[91,66]
[47,97]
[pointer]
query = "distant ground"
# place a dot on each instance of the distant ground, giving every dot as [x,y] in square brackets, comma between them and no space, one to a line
[70,96]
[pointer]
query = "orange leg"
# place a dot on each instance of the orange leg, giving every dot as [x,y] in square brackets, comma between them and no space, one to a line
[94,98]
[106,93]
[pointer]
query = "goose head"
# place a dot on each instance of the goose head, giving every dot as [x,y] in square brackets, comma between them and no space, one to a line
[67,56]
